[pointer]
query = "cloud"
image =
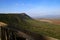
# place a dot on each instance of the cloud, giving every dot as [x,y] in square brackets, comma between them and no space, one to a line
[17,4]
[21,4]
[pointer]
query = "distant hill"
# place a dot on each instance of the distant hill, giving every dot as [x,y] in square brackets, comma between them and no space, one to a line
[50,16]
[24,22]
[53,16]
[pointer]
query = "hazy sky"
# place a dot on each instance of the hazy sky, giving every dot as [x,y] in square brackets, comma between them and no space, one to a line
[31,7]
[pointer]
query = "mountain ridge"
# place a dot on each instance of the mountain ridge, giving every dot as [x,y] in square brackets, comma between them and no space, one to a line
[23,22]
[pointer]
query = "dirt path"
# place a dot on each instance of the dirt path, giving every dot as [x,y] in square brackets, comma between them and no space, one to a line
[3,24]
[51,38]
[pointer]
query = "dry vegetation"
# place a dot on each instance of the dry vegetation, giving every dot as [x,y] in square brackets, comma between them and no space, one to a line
[54,21]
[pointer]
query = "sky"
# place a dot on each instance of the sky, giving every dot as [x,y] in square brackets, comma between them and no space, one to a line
[33,8]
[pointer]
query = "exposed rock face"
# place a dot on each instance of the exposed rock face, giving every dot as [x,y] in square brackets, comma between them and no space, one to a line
[2,24]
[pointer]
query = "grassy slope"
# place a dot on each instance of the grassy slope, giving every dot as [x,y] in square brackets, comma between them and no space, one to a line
[45,28]
[23,22]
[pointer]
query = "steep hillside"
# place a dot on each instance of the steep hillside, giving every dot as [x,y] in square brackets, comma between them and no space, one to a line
[24,22]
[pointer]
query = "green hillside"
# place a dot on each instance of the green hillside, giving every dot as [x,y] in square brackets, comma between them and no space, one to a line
[24,22]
